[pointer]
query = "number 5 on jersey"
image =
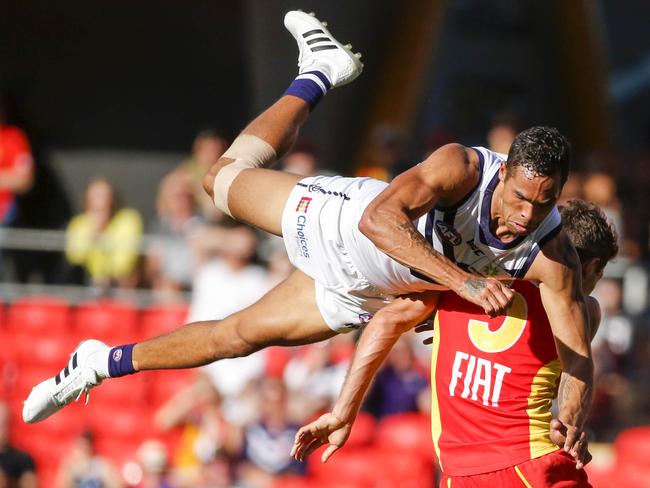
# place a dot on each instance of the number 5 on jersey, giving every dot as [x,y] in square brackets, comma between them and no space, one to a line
[506,335]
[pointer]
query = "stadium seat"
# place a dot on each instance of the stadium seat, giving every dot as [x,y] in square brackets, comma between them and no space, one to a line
[65,425]
[159,320]
[31,349]
[276,360]
[353,466]
[39,315]
[632,447]
[124,392]
[292,481]
[403,468]
[28,376]
[363,431]
[130,425]
[107,320]
[408,432]
[601,477]
[165,384]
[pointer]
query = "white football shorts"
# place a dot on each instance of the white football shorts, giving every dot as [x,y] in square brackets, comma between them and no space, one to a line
[318,211]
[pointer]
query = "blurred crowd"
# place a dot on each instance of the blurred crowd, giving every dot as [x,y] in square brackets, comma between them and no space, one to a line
[237,418]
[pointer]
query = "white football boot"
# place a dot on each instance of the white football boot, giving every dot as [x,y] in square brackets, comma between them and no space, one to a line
[87,367]
[319,51]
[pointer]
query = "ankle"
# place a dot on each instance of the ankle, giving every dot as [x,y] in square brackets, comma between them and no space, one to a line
[310,87]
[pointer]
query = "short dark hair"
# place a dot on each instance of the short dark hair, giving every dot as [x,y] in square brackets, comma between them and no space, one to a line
[591,233]
[542,150]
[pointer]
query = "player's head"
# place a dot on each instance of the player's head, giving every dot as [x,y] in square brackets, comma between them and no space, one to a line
[593,237]
[532,177]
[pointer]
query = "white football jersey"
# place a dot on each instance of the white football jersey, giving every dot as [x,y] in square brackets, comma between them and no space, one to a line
[462,233]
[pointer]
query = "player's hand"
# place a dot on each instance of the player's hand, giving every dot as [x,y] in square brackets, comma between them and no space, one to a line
[493,296]
[572,440]
[327,429]
[425,327]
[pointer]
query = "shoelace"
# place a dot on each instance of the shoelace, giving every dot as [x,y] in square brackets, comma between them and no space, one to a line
[86,390]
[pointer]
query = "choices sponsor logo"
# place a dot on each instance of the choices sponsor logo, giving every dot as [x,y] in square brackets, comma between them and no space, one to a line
[301,237]
[447,233]
[303,205]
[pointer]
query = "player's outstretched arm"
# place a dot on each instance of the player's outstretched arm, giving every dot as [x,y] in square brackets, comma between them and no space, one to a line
[557,268]
[376,341]
[558,429]
[445,177]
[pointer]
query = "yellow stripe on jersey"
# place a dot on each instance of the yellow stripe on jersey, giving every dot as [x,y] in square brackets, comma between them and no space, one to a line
[542,391]
[436,424]
[522,477]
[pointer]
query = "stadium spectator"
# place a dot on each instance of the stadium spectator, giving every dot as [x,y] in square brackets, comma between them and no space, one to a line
[104,240]
[572,188]
[268,441]
[83,468]
[502,132]
[170,261]
[208,438]
[208,146]
[385,155]
[601,189]
[17,468]
[16,168]
[399,385]
[315,374]
[152,457]
[231,276]
[301,160]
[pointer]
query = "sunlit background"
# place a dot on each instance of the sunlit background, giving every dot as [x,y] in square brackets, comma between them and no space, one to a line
[105,231]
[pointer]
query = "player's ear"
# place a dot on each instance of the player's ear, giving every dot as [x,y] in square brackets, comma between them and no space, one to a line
[503,170]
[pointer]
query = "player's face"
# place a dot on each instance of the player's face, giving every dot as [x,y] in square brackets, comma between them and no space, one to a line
[526,199]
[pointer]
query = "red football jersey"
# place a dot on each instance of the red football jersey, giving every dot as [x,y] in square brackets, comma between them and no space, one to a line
[493,382]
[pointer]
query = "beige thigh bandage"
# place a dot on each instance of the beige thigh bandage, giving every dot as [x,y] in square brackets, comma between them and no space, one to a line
[248,152]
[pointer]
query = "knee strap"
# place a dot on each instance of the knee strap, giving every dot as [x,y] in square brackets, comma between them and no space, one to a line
[248,152]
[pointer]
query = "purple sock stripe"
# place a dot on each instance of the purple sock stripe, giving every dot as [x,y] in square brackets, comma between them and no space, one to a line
[120,361]
[321,77]
[306,89]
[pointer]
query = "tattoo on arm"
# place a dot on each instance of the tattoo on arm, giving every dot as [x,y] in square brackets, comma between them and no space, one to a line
[418,238]
[474,285]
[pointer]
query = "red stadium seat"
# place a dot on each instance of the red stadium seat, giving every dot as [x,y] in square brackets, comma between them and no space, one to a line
[374,467]
[363,431]
[31,349]
[402,468]
[353,466]
[165,384]
[131,425]
[632,447]
[107,320]
[66,424]
[39,315]
[292,482]
[601,477]
[126,392]
[159,320]
[408,432]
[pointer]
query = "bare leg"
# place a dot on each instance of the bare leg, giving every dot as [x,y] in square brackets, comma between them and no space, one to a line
[273,320]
